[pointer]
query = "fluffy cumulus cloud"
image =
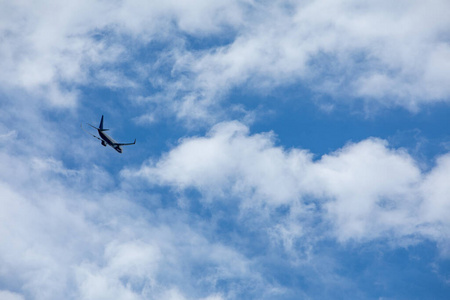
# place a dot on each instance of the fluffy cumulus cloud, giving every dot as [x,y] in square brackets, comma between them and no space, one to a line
[377,51]
[364,190]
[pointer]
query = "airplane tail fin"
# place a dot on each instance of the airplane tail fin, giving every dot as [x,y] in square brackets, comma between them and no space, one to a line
[100,127]
[101,123]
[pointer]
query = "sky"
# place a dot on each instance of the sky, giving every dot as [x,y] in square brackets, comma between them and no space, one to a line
[285,149]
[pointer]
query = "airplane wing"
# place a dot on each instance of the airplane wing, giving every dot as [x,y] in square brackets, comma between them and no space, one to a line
[125,144]
[90,133]
[92,126]
[97,128]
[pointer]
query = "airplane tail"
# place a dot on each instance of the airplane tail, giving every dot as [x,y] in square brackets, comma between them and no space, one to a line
[100,127]
[101,124]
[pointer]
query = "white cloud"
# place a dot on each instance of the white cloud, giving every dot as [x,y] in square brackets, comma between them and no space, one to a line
[394,54]
[70,239]
[8,136]
[372,189]
[7,295]
[436,189]
[83,234]
[365,190]
[49,49]
[229,161]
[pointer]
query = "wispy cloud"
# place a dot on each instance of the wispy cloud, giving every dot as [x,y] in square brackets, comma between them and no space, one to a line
[63,239]
[380,52]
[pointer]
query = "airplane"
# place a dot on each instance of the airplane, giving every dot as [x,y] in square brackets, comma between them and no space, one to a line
[106,139]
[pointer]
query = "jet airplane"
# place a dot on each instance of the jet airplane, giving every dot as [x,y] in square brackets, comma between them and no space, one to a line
[106,139]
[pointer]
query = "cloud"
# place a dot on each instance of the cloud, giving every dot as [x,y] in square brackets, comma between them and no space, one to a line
[197,161]
[7,295]
[68,238]
[51,57]
[380,52]
[372,189]
[436,189]
[84,233]
[364,191]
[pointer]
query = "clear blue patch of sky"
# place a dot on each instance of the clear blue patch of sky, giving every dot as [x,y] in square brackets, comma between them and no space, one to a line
[226,37]
[400,273]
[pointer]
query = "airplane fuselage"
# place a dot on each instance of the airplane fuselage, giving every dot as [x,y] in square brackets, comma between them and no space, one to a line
[105,139]
[109,141]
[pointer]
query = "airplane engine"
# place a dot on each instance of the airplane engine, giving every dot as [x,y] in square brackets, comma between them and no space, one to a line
[104,143]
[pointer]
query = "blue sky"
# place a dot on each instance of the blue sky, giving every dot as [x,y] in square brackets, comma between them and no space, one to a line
[285,150]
